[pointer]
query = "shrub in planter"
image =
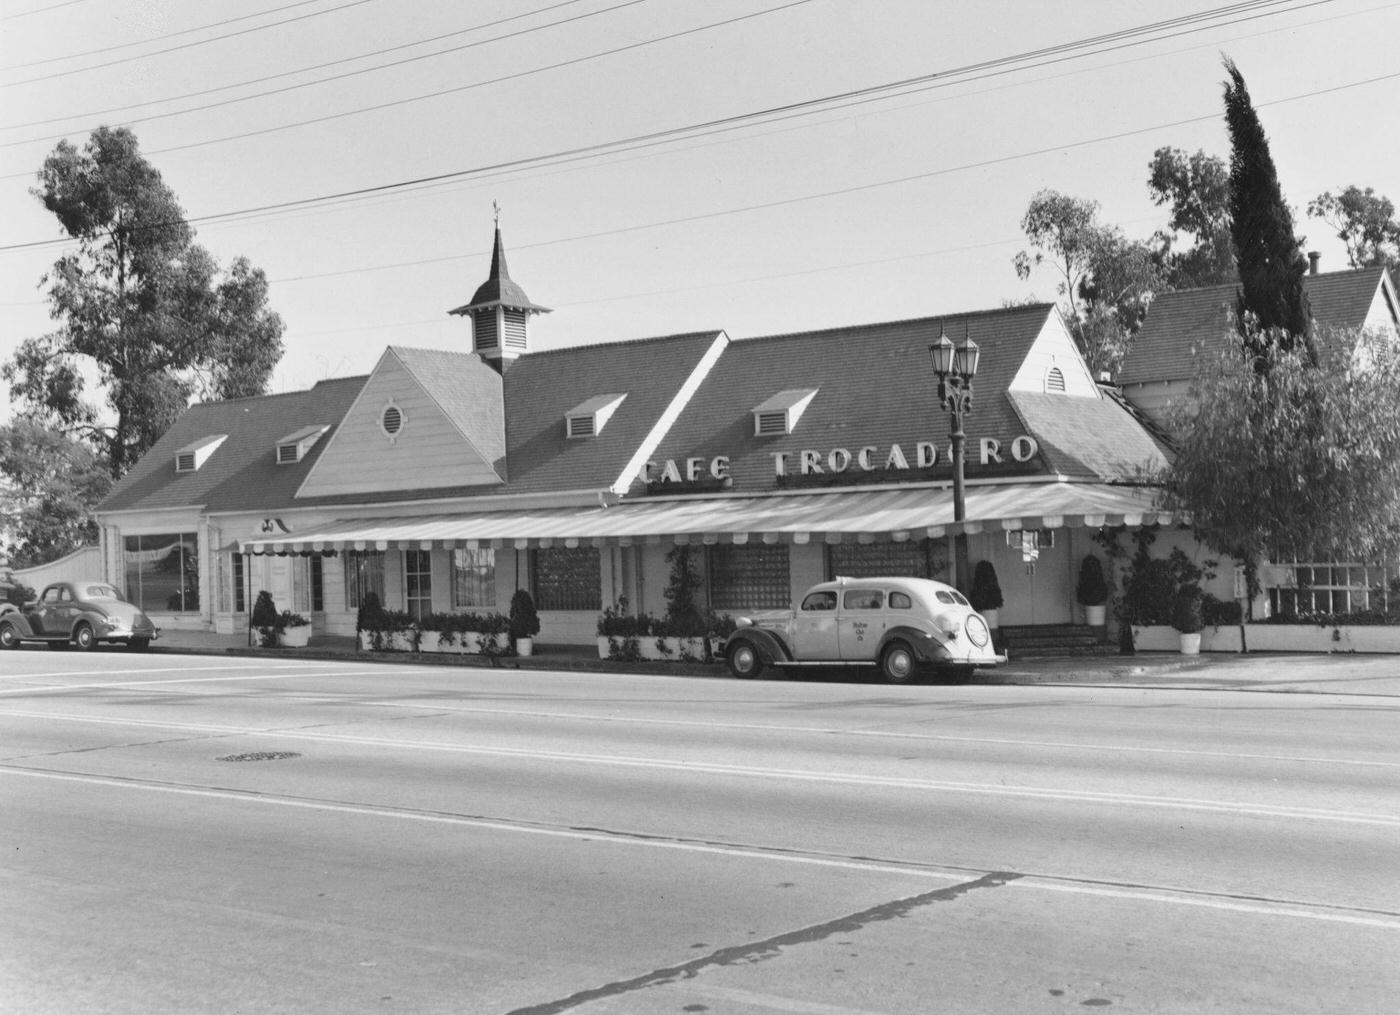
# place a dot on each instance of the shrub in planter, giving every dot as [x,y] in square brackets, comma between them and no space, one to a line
[381,624]
[524,621]
[266,620]
[986,590]
[623,631]
[295,631]
[1220,612]
[1187,615]
[1092,589]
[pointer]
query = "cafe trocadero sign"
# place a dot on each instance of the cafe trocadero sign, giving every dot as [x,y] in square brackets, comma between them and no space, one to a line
[871,461]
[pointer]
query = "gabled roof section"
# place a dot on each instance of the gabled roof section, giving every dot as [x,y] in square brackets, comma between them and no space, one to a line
[242,474]
[1183,325]
[425,419]
[876,385]
[657,376]
[1089,438]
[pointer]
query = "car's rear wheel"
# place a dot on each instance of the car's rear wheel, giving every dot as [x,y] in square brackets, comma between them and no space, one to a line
[744,661]
[897,663]
[139,644]
[9,637]
[84,636]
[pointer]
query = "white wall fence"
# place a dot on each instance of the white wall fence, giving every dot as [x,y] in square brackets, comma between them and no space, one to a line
[82,563]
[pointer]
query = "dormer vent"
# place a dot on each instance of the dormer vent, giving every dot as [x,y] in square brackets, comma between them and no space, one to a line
[192,456]
[779,415]
[293,447]
[589,418]
[1055,379]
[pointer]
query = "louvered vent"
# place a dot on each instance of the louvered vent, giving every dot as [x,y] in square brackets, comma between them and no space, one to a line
[287,453]
[772,424]
[1055,380]
[515,330]
[581,426]
[485,330]
[184,462]
[391,421]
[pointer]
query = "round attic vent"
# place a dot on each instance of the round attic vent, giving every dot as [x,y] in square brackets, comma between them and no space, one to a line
[391,420]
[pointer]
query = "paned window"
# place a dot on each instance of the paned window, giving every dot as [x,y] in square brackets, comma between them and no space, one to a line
[364,573]
[567,579]
[162,572]
[923,558]
[473,579]
[307,590]
[418,582]
[745,577]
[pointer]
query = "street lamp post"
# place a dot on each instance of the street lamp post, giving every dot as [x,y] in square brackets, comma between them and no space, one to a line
[955,366]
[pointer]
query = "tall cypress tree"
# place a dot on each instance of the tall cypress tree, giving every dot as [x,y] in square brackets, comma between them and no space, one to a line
[1269,257]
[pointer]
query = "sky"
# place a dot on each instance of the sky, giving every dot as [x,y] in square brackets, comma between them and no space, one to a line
[663,166]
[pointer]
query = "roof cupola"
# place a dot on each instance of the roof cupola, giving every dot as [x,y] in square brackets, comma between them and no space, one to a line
[500,312]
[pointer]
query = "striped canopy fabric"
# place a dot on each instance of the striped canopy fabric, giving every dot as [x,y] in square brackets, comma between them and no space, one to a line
[859,517]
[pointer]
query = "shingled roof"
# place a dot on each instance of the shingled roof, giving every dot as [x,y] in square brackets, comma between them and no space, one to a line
[1183,325]
[242,474]
[541,388]
[875,386]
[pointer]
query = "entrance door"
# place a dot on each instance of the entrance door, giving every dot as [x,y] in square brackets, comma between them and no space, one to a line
[1034,573]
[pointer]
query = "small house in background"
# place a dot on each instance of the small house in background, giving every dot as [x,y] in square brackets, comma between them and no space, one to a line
[1183,327]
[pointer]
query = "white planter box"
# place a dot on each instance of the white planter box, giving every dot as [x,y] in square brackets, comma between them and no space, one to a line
[1311,638]
[1161,638]
[295,637]
[1276,638]
[647,648]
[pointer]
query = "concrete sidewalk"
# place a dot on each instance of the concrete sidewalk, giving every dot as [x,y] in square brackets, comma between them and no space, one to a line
[1282,672]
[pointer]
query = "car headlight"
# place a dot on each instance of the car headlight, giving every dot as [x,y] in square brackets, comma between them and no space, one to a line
[977,630]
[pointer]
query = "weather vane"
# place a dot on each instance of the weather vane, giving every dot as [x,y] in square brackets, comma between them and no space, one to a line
[496,207]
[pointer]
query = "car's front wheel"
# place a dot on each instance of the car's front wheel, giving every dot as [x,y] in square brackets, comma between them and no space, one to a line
[897,663]
[9,637]
[84,636]
[744,661]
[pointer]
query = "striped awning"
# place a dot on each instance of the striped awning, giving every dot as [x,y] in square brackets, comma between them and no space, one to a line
[855,516]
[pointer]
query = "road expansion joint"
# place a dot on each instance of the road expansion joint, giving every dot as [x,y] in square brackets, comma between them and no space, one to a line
[752,952]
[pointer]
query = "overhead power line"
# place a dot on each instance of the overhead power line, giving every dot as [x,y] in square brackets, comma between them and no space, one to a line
[1198,19]
[40,10]
[323,66]
[160,38]
[1139,35]
[186,45]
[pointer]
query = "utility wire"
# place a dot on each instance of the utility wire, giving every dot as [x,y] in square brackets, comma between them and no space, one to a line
[185,45]
[41,10]
[159,38]
[645,140]
[337,77]
[1199,17]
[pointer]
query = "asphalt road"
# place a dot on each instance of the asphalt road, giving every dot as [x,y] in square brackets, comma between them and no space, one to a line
[196,834]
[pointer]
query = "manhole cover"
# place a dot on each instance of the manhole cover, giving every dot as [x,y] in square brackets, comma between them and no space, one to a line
[260,756]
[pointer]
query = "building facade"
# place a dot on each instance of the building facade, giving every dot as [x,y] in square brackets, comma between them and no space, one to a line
[444,481]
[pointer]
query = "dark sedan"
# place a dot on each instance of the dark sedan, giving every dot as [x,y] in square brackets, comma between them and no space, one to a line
[80,613]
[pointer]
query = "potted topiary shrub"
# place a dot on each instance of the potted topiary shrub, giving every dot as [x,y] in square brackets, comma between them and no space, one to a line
[1092,591]
[524,622]
[266,620]
[986,592]
[1187,618]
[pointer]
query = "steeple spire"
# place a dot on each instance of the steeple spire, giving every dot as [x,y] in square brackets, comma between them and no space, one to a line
[499,310]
